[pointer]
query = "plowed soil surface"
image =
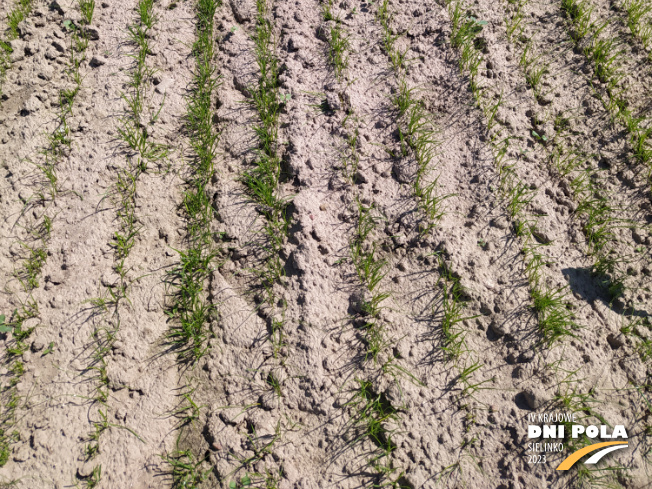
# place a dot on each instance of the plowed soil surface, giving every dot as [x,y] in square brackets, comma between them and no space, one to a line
[93,398]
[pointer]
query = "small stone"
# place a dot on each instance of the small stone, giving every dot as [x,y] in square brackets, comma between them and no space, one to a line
[58,46]
[97,61]
[18,50]
[56,302]
[499,326]
[164,85]
[86,470]
[615,341]
[38,344]
[56,278]
[110,279]
[93,34]
[46,71]
[534,397]
[22,454]
[333,101]
[518,372]
[269,401]
[32,104]
[638,236]
[399,240]
[241,10]
[357,301]
[541,236]
[31,49]
[241,85]
[295,43]
[402,173]
[545,98]
[526,357]
[499,222]
[360,178]
[121,413]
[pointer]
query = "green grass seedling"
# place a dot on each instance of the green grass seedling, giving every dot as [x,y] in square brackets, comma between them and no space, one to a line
[17,15]
[604,53]
[186,470]
[373,411]
[513,24]
[518,197]
[190,311]
[639,20]
[87,7]
[555,320]
[580,15]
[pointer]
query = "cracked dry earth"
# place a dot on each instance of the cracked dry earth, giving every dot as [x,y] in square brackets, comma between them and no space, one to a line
[293,410]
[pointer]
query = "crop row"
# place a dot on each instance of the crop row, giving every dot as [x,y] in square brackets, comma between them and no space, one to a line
[37,215]
[16,15]
[551,305]
[263,180]
[372,413]
[599,210]
[191,309]
[639,21]
[589,34]
[140,153]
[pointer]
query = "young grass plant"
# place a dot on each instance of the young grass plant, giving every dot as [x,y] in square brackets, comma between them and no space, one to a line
[373,415]
[29,271]
[605,54]
[20,11]
[338,40]
[86,8]
[190,311]
[108,304]
[396,56]
[573,399]
[580,15]
[186,471]
[639,20]
[554,313]
[10,401]
[417,135]
[58,145]
[370,270]
[263,180]
[554,320]
[596,213]
[514,23]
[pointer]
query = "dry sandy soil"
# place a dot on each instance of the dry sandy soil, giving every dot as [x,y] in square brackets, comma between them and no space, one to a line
[288,391]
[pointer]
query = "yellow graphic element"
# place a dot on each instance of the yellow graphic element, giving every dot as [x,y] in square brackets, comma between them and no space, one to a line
[574,457]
